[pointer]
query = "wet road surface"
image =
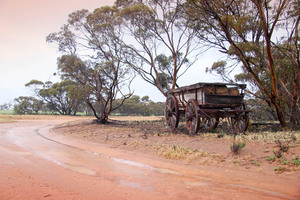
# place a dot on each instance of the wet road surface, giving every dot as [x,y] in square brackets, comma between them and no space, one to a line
[39,164]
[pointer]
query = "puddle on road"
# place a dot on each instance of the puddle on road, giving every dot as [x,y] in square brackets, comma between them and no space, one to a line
[137,164]
[73,168]
[166,171]
[135,185]
[132,163]
[83,169]
[196,183]
[261,190]
[80,169]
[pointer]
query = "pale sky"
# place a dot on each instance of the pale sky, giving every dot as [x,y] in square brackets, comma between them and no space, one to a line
[25,54]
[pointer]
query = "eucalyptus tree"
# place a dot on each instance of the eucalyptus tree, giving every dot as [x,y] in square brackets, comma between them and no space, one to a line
[94,58]
[64,97]
[28,105]
[246,31]
[154,28]
[288,54]
[6,106]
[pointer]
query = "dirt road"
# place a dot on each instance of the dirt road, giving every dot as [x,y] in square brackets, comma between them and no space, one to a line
[36,163]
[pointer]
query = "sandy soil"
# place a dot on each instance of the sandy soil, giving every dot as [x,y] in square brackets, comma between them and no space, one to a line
[152,162]
[210,149]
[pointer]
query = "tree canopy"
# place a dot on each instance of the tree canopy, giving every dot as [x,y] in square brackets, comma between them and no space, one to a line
[64,97]
[153,29]
[28,105]
[94,58]
[245,31]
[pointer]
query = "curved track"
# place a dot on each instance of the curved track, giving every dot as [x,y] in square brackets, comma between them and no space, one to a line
[39,164]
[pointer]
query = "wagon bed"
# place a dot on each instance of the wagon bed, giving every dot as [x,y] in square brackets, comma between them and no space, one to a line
[204,103]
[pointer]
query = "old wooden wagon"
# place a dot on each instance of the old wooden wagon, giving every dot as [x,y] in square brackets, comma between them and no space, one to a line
[203,104]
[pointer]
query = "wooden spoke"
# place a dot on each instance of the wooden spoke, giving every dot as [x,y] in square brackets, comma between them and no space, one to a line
[192,116]
[209,123]
[171,112]
[241,120]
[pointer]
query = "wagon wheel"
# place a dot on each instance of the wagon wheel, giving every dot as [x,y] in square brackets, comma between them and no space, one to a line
[172,112]
[192,116]
[241,120]
[209,123]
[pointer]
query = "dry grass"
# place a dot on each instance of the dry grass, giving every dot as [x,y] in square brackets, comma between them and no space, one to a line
[136,118]
[268,136]
[185,152]
[41,117]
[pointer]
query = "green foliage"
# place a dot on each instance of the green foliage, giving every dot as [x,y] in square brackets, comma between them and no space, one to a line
[236,161]
[281,169]
[269,65]
[94,58]
[6,112]
[34,82]
[296,161]
[65,97]
[237,146]
[6,106]
[284,162]
[27,105]
[256,163]
[271,158]
[139,106]
[160,43]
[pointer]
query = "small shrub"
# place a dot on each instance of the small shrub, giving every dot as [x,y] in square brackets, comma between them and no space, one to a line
[278,154]
[237,146]
[271,158]
[280,169]
[256,163]
[236,161]
[283,146]
[284,162]
[296,161]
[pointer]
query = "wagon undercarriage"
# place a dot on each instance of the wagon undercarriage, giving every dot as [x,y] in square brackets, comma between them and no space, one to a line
[204,104]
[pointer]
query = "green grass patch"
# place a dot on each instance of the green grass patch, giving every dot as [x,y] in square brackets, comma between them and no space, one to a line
[271,158]
[256,163]
[296,161]
[7,112]
[284,162]
[281,169]
[3,120]
[236,161]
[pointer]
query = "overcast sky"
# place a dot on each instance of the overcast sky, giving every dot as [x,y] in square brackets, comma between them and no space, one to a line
[25,55]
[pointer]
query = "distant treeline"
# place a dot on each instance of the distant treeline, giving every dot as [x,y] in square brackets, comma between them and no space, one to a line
[140,106]
[132,106]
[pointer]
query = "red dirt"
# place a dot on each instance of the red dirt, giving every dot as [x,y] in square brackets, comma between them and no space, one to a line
[82,160]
